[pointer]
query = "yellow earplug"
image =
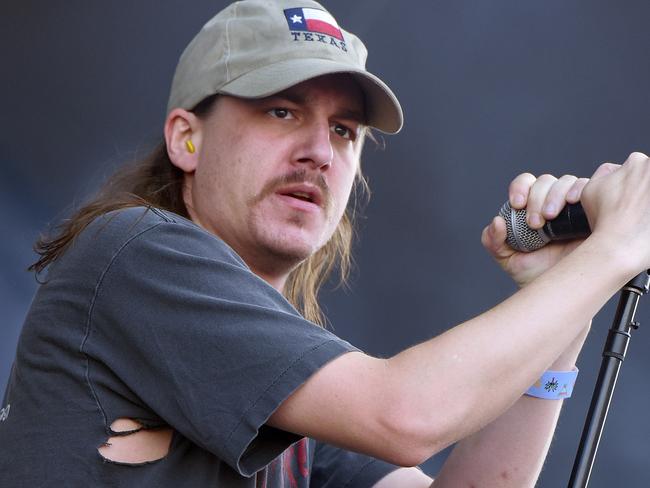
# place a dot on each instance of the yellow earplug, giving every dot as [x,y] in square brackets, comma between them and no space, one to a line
[190,147]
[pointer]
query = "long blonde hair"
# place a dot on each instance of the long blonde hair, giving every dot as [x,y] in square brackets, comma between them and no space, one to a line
[155,181]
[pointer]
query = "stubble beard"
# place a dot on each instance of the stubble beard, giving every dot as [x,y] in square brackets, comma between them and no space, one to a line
[274,247]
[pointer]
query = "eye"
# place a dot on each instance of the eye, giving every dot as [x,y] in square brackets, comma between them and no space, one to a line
[280,113]
[343,131]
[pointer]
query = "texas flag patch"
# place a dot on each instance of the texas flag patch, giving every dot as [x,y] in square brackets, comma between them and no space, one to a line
[312,20]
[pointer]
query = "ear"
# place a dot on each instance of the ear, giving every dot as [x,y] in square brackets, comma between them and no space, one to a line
[181,126]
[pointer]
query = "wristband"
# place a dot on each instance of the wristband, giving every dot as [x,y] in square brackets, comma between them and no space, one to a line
[554,385]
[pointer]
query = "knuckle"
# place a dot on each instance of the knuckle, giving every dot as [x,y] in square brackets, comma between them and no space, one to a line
[520,186]
[568,179]
[579,184]
[607,166]
[547,178]
[636,159]
[638,156]
[522,179]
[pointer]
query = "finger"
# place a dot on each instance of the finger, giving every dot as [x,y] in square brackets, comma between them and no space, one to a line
[536,199]
[518,190]
[556,196]
[493,239]
[575,192]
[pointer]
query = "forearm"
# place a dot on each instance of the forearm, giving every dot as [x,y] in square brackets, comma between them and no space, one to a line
[510,451]
[476,371]
[407,408]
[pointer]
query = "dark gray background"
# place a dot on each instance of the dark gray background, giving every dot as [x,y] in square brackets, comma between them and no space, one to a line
[489,89]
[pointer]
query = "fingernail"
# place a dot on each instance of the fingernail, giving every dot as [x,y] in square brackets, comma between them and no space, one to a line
[549,209]
[572,195]
[518,200]
[534,219]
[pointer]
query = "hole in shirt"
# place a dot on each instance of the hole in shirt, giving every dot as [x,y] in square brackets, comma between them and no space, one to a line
[133,443]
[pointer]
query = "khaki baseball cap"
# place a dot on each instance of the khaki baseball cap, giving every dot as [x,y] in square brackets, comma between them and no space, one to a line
[256,48]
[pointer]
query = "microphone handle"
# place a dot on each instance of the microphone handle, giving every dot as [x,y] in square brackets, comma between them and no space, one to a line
[571,223]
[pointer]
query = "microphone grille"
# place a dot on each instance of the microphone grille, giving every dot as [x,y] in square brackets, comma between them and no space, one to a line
[520,236]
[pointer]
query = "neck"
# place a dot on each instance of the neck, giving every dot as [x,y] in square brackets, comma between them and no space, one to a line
[275,281]
[272,268]
[274,271]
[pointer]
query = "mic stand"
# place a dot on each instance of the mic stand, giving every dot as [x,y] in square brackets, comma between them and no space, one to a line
[613,356]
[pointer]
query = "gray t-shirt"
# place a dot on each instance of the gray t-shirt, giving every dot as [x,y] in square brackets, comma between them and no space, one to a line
[149,317]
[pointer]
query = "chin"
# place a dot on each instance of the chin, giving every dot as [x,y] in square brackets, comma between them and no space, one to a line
[293,249]
[289,242]
[292,254]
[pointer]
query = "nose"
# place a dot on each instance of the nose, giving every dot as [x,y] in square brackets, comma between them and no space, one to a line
[316,147]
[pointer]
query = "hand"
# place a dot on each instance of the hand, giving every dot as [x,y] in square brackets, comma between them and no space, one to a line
[543,198]
[617,204]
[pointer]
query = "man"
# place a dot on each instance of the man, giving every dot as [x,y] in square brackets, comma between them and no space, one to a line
[161,344]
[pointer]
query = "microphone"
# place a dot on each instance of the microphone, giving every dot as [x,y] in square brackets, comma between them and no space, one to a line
[571,223]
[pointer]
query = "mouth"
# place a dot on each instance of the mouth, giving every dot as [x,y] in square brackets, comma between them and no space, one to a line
[304,193]
[305,197]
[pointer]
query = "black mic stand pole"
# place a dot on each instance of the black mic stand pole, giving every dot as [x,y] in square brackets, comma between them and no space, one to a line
[613,356]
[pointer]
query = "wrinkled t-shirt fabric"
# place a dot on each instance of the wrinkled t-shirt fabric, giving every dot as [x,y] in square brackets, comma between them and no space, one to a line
[149,317]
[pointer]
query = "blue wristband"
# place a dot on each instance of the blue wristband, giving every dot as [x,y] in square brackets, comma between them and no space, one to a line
[554,385]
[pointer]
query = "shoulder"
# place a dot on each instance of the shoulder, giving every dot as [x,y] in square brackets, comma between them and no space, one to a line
[128,223]
[141,238]
[152,229]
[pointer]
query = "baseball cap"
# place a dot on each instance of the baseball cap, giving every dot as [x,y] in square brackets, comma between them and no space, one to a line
[256,48]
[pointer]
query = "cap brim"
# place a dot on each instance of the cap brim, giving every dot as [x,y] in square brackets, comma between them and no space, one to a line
[383,110]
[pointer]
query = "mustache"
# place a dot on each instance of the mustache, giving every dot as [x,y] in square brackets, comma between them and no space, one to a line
[298,176]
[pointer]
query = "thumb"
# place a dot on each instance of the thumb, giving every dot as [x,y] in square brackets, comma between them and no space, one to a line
[493,239]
